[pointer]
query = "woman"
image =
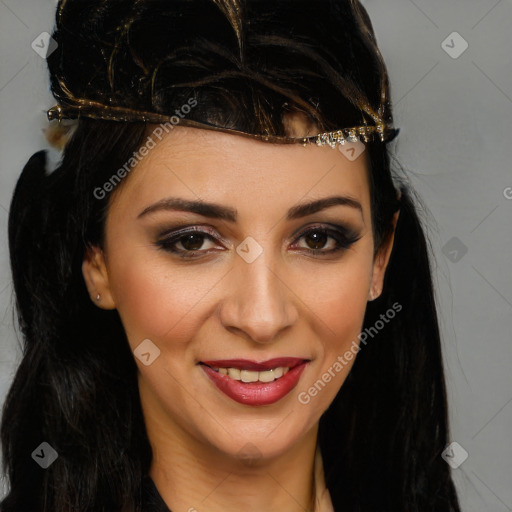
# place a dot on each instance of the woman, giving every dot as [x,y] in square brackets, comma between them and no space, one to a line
[225,295]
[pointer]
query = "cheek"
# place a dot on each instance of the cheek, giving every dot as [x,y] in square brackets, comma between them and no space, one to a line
[342,301]
[339,306]
[339,297]
[154,302]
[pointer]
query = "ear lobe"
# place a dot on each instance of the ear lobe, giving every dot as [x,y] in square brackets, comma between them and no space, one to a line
[381,261]
[96,278]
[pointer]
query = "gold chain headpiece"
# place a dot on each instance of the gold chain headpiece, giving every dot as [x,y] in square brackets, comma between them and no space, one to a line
[381,132]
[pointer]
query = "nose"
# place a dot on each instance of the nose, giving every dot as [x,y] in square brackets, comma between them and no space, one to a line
[258,304]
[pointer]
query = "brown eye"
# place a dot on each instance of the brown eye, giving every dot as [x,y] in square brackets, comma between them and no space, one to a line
[316,239]
[322,241]
[192,241]
[188,244]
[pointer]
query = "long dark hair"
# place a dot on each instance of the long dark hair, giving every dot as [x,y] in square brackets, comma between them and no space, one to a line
[246,63]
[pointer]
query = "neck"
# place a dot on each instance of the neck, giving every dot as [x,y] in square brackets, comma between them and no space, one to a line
[194,477]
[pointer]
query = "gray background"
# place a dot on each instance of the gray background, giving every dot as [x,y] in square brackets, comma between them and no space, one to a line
[455,146]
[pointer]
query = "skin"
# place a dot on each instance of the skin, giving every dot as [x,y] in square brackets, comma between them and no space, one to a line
[287,302]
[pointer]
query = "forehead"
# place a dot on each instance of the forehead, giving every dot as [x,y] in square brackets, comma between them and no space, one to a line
[238,170]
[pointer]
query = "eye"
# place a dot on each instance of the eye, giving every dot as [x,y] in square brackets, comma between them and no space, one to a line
[188,243]
[322,240]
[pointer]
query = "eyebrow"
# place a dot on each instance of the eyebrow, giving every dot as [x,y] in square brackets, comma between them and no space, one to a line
[217,211]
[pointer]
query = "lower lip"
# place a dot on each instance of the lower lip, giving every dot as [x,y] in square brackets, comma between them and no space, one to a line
[256,393]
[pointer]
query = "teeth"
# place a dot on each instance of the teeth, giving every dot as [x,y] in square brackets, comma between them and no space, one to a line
[249,376]
[266,376]
[252,376]
[278,372]
[234,373]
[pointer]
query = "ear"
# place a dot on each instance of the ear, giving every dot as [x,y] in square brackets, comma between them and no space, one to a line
[380,262]
[96,279]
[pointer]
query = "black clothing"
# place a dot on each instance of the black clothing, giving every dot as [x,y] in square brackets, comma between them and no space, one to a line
[151,499]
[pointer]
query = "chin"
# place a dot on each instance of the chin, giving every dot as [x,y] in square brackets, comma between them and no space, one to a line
[256,440]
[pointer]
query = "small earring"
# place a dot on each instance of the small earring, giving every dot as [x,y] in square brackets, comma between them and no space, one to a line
[98,297]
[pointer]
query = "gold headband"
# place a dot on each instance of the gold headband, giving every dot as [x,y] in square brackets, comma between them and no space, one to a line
[381,132]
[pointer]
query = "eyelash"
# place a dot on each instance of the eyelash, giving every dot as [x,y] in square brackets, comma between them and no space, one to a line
[343,237]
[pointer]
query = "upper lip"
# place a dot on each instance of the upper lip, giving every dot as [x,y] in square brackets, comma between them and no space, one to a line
[246,364]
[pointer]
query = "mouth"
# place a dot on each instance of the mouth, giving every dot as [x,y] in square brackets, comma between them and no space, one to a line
[252,383]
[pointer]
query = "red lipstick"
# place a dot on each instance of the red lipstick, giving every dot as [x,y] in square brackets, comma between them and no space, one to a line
[246,364]
[255,393]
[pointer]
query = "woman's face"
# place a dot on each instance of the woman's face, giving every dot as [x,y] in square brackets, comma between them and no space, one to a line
[227,253]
